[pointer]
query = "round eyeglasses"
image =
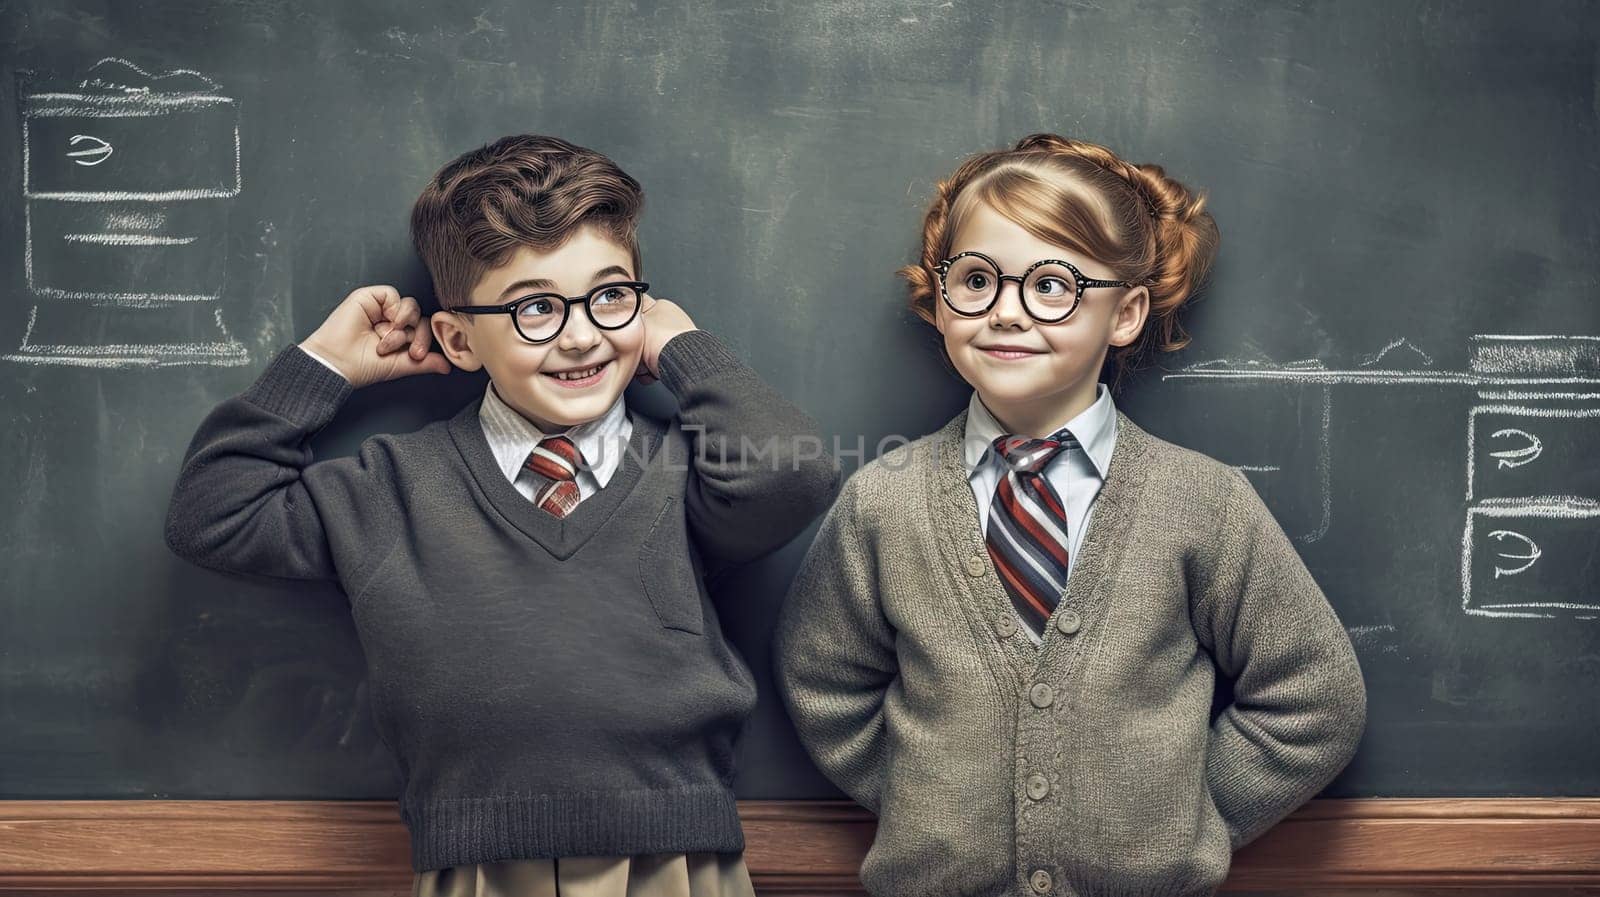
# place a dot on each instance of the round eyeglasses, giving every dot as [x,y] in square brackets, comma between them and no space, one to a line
[539,318]
[1051,288]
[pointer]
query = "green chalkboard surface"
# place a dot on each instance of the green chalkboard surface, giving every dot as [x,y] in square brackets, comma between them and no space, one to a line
[1400,345]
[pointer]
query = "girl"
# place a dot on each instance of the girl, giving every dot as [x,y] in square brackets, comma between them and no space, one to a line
[1003,640]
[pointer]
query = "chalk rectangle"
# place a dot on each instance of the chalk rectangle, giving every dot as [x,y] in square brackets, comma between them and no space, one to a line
[1531,558]
[1535,355]
[127,253]
[88,147]
[1518,450]
[58,330]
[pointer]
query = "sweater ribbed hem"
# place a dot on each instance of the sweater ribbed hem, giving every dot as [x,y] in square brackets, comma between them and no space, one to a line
[455,832]
[692,356]
[299,389]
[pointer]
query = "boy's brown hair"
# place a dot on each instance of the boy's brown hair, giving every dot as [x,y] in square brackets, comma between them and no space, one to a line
[522,190]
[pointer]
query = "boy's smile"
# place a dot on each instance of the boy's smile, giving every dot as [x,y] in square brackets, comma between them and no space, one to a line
[575,377]
[580,378]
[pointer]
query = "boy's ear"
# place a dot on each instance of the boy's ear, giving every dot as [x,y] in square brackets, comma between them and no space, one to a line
[1130,316]
[454,340]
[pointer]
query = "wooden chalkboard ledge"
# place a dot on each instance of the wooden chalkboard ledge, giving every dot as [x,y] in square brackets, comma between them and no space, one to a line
[260,848]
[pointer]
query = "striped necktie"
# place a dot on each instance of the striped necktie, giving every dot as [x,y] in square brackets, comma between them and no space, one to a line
[556,459]
[1027,531]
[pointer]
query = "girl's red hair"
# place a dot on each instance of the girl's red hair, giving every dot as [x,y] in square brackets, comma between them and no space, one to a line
[1147,227]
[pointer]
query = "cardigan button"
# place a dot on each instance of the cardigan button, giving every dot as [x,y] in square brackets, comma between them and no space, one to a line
[1069,622]
[977,565]
[1041,694]
[1038,786]
[1006,626]
[1040,881]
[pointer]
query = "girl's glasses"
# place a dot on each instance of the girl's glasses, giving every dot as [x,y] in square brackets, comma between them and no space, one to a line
[1051,288]
[540,317]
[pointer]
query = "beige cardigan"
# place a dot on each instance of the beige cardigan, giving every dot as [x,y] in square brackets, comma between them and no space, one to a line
[1086,765]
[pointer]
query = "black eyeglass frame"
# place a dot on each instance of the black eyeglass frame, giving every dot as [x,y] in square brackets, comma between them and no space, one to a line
[586,300]
[1080,281]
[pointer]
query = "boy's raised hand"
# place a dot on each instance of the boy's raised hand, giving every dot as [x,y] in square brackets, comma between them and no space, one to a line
[376,334]
[663,320]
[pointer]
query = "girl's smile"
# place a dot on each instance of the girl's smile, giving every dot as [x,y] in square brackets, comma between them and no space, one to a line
[1033,376]
[1009,352]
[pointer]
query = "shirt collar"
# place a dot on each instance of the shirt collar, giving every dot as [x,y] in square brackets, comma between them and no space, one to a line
[514,436]
[1095,428]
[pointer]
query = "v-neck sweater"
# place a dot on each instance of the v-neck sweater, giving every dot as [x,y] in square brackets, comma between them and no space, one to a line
[548,686]
[1086,764]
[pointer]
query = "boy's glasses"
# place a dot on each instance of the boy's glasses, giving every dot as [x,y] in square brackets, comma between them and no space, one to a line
[540,317]
[1051,288]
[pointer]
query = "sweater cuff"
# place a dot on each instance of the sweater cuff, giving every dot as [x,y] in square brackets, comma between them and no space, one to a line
[299,389]
[694,355]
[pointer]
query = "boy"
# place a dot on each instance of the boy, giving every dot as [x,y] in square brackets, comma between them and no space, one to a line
[526,577]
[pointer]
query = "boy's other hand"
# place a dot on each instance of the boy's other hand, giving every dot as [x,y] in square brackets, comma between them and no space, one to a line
[376,334]
[663,320]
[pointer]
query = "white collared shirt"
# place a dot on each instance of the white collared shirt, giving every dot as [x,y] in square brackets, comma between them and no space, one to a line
[512,437]
[1076,473]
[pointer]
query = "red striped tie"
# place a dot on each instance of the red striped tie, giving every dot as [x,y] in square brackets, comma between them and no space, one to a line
[556,459]
[1027,531]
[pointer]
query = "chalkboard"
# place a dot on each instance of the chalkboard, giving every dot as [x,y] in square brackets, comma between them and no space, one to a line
[1400,344]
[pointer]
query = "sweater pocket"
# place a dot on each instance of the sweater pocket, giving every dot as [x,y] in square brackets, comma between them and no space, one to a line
[667,571]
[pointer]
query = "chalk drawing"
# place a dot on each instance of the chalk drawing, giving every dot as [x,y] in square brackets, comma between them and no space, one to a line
[126,182]
[1537,390]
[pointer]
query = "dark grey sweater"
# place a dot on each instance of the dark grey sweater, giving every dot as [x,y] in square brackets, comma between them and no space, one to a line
[549,687]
